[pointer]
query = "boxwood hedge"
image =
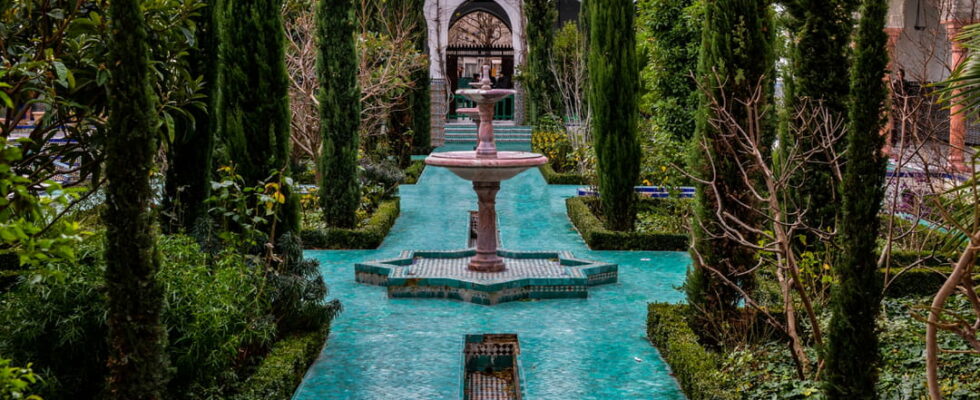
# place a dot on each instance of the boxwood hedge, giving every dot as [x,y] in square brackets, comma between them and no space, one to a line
[368,237]
[598,237]
[696,369]
[561,178]
[282,370]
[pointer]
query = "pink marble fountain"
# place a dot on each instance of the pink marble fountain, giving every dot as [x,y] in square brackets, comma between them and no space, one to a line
[486,168]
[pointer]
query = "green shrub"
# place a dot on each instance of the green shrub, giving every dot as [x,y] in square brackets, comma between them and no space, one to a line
[414,172]
[218,312]
[282,370]
[696,369]
[368,237]
[16,382]
[599,238]
[561,178]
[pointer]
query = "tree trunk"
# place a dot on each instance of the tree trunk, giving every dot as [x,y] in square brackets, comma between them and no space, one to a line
[137,359]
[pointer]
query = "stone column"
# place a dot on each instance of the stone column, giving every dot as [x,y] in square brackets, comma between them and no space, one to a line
[486,259]
[519,115]
[957,118]
[889,128]
[438,107]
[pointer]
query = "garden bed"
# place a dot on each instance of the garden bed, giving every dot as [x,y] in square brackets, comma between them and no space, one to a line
[282,370]
[368,236]
[766,370]
[561,178]
[581,210]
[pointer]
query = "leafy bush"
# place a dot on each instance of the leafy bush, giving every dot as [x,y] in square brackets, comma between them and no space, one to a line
[664,157]
[281,371]
[15,382]
[414,172]
[369,236]
[550,140]
[696,368]
[220,316]
[561,178]
[582,214]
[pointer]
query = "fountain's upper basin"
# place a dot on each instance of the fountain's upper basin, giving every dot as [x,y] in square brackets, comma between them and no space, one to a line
[467,165]
[482,96]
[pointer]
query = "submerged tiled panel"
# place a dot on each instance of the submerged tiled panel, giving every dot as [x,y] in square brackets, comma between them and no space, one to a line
[444,274]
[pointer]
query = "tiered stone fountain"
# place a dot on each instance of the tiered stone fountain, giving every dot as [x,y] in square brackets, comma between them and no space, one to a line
[486,168]
[486,275]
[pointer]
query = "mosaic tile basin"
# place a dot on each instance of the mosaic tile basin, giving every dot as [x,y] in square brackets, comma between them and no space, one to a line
[529,276]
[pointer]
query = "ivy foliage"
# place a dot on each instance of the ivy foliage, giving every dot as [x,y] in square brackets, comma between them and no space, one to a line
[669,37]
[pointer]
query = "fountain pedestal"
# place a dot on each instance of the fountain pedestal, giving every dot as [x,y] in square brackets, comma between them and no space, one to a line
[486,258]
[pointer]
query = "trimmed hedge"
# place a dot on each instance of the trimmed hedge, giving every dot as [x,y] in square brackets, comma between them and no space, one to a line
[560,178]
[695,368]
[598,237]
[414,172]
[368,237]
[282,370]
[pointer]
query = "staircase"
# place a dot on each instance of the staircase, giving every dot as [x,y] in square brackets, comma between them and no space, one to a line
[465,133]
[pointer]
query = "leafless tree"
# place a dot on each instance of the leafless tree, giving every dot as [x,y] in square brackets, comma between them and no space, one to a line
[568,65]
[768,180]
[301,64]
[481,29]
[387,58]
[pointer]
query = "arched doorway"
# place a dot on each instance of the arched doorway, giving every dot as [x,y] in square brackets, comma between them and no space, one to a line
[480,34]
[440,16]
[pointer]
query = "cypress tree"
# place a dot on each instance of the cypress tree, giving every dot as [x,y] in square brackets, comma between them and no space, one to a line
[852,346]
[819,63]
[541,17]
[736,52]
[189,156]
[613,95]
[253,103]
[339,112]
[137,360]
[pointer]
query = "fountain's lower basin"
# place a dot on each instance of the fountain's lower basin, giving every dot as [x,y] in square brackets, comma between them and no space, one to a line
[467,165]
[443,274]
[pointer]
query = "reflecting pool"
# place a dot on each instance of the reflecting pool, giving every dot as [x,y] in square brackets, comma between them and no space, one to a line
[388,349]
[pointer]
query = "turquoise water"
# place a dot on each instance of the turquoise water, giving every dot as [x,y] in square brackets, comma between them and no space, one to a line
[594,348]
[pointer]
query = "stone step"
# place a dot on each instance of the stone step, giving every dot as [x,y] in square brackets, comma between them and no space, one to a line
[498,135]
[473,130]
[448,140]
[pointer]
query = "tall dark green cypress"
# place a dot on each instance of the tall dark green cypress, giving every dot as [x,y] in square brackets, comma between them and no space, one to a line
[137,338]
[613,95]
[189,156]
[253,102]
[820,65]
[339,112]
[852,346]
[542,92]
[736,52]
